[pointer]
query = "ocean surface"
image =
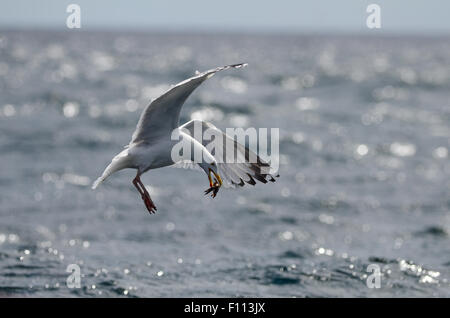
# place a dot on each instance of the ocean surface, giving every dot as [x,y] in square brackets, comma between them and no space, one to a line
[364,167]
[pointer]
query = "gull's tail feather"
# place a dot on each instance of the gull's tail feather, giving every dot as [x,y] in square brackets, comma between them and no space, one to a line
[119,162]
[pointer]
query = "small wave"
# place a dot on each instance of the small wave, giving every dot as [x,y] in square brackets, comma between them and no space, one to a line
[434,230]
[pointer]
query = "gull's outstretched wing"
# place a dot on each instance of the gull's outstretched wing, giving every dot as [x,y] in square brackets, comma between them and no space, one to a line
[161,117]
[236,163]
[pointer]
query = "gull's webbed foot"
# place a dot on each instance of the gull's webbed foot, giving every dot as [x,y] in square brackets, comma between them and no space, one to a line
[213,190]
[149,204]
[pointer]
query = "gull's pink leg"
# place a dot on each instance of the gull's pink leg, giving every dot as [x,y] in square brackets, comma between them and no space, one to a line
[148,200]
[135,182]
[144,194]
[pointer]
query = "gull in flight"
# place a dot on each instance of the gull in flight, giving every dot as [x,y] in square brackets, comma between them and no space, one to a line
[151,144]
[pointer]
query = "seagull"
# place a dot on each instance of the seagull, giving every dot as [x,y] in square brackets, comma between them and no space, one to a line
[151,144]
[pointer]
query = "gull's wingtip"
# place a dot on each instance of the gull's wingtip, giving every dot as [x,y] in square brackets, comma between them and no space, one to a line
[239,65]
[96,183]
[210,73]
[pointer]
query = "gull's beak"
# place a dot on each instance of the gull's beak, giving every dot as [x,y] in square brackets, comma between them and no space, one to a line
[209,177]
[217,176]
[219,179]
[214,187]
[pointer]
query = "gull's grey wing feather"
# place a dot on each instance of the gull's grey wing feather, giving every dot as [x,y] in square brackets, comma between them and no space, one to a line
[161,117]
[233,172]
[186,164]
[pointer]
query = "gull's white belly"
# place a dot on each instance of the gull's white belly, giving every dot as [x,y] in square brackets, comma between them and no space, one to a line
[148,157]
[145,156]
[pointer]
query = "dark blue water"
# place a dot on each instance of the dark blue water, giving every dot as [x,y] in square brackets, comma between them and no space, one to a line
[364,140]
